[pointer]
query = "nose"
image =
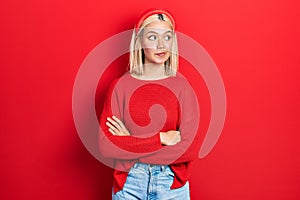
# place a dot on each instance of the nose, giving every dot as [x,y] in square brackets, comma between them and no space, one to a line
[160,43]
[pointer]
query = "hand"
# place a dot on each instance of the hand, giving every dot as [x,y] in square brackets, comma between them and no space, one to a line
[116,127]
[170,137]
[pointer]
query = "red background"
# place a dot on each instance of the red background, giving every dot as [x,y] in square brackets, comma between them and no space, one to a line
[254,44]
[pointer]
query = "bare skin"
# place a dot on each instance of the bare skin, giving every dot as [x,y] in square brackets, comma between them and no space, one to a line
[156,43]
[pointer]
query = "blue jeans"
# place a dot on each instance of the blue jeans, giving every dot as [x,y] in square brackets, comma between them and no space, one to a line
[151,182]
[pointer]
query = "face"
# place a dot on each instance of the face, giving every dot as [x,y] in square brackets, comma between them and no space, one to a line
[157,42]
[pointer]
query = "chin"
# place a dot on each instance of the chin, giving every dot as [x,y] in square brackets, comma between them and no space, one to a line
[159,61]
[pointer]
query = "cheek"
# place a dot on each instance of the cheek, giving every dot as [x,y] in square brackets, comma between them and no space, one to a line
[148,45]
[168,45]
[147,51]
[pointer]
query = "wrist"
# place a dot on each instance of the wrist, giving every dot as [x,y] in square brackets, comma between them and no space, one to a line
[162,138]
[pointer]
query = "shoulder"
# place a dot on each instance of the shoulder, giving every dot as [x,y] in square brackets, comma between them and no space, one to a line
[119,82]
[180,81]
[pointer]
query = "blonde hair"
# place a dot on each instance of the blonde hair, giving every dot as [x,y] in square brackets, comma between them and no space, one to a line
[136,59]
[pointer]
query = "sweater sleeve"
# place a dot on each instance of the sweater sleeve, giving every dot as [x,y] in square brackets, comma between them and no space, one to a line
[187,149]
[122,147]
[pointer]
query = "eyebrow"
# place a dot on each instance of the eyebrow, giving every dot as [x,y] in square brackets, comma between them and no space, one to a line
[157,32]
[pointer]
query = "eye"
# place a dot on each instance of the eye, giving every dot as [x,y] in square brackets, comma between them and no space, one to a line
[168,37]
[152,37]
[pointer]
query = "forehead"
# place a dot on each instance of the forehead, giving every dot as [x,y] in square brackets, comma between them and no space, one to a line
[158,26]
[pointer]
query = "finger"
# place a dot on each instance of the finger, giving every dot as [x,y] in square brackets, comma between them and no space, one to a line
[111,131]
[118,130]
[112,128]
[123,131]
[119,122]
[113,122]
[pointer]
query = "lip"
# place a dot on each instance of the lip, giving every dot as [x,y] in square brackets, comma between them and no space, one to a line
[161,54]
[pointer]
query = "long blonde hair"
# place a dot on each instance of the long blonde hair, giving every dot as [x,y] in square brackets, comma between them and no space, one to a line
[136,59]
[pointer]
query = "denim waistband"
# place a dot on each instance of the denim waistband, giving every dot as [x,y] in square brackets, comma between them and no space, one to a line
[152,167]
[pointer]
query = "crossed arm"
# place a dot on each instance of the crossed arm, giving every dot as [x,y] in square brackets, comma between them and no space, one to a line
[173,146]
[116,127]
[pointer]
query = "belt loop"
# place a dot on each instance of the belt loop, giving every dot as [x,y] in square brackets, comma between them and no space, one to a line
[163,168]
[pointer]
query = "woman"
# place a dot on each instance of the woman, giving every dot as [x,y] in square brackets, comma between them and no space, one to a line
[150,118]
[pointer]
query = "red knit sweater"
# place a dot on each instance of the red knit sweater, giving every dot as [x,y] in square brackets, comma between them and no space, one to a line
[147,107]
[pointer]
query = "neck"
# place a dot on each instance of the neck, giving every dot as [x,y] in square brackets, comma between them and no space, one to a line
[153,71]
